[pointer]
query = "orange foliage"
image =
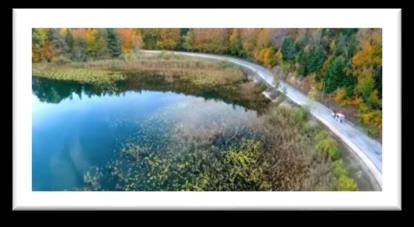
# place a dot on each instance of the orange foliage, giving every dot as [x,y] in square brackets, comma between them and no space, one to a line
[340,95]
[126,36]
[169,38]
[263,38]
[130,39]
[267,57]
[79,33]
[248,37]
[209,39]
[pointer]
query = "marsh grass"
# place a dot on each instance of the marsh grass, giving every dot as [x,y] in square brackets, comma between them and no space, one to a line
[81,75]
[303,156]
[198,71]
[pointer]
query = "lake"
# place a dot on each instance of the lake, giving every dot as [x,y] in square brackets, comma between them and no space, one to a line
[79,128]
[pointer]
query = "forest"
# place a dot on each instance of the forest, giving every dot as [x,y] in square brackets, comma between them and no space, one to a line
[340,67]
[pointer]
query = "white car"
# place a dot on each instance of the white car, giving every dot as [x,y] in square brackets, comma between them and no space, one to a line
[339,117]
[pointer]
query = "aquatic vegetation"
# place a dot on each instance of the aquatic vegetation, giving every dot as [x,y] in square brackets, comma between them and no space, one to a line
[239,168]
[224,158]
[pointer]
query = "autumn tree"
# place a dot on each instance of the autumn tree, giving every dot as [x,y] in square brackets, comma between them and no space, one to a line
[130,39]
[169,38]
[209,40]
[268,57]
[126,39]
[40,45]
[367,65]
[96,46]
[248,37]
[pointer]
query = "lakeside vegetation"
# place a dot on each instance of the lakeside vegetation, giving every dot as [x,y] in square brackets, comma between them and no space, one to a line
[169,65]
[165,72]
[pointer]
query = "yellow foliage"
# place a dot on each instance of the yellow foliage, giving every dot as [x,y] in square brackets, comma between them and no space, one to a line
[340,96]
[326,64]
[268,57]
[263,38]
[354,101]
[209,39]
[170,38]
[79,33]
[63,31]
[130,39]
[373,99]
[372,118]
[90,36]
[367,57]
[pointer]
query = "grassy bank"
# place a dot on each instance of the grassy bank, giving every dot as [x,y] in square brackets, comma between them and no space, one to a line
[198,71]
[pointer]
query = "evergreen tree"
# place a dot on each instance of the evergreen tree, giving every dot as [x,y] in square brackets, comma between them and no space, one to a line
[113,41]
[288,49]
[316,59]
[150,38]
[79,50]
[69,40]
[58,43]
[235,45]
[334,75]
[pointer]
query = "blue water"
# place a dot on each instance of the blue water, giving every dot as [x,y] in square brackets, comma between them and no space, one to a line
[78,131]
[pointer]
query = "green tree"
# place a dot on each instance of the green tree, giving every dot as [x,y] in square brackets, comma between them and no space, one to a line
[113,41]
[58,43]
[183,45]
[235,45]
[97,44]
[316,59]
[334,75]
[69,40]
[288,49]
[150,38]
[79,49]
[39,37]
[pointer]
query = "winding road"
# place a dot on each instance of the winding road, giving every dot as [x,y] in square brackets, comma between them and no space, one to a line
[366,148]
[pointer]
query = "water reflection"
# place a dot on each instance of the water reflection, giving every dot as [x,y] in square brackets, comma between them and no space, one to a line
[51,91]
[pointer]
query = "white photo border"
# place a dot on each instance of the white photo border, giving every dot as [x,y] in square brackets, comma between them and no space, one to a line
[26,19]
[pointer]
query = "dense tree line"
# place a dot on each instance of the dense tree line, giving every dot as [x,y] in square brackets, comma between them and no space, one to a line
[345,64]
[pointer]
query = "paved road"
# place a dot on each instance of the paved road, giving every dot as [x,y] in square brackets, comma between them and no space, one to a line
[366,148]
